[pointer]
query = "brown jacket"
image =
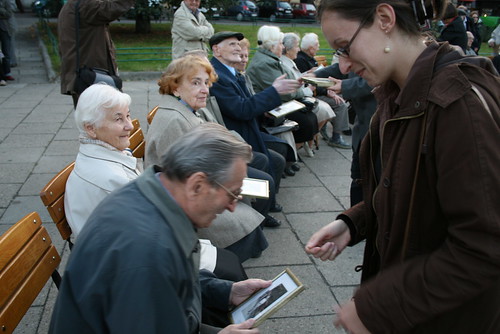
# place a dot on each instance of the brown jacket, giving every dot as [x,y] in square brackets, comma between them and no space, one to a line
[436,269]
[96,47]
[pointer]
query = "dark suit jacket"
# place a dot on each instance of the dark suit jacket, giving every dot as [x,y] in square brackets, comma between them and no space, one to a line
[455,33]
[355,90]
[240,109]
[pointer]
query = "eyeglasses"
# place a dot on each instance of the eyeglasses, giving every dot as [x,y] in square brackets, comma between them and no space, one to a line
[232,196]
[344,52]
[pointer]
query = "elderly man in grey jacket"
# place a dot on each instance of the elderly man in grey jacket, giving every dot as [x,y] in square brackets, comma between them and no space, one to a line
[135,267]
[190,29]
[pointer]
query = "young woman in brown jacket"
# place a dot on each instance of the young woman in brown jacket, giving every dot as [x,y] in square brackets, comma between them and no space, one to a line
[430,161]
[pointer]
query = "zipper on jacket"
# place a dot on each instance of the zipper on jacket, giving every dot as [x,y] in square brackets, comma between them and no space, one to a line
[381,136]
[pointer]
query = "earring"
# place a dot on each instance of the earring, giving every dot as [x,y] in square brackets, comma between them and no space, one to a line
[387,49]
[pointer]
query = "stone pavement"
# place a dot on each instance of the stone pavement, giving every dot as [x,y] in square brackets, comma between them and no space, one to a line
[38,138]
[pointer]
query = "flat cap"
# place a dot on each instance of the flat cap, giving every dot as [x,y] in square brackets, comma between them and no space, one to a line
[462,12]
[222,35]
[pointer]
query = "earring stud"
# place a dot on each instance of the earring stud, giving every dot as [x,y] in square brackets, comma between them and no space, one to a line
[387,49]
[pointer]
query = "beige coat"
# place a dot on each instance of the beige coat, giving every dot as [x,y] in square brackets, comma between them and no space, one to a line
[171,121]
[189,33]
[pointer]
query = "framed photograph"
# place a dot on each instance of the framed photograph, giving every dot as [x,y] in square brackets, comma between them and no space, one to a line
[286,108]
[255,188]
[265,302]
[320,82]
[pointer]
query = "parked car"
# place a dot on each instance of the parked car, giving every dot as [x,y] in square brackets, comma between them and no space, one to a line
[275,9]
[305,11]
[243,9]
[46,8]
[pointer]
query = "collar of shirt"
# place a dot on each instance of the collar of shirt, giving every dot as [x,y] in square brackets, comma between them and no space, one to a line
[230,68]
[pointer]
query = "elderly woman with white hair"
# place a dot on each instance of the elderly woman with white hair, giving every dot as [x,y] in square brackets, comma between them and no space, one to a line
[104,164]
[265,67]
[291,40]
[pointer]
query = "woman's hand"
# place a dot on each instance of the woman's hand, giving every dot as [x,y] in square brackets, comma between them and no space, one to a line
[244,289]
[329,241]
[347,318]
[334,96]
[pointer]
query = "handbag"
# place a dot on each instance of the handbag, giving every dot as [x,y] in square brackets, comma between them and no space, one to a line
[87,76]
[309,102]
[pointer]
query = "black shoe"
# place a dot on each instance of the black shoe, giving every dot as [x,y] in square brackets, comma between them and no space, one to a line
[295,167]
[283,176]
[257,255]
[347,132]
[276,208]
[271,222]
[289,171]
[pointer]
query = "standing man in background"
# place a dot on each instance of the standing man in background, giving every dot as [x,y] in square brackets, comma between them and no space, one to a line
[95,47]
[5,38]
[190,29]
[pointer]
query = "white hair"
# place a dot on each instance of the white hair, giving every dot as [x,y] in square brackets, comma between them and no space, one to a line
[269,36]
[308,40]
[95,101]
[290,39]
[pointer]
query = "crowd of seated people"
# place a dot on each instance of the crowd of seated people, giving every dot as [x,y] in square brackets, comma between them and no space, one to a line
[104,163]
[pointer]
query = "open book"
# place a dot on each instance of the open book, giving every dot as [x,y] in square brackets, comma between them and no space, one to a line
[319,82]
[286,108]
[255,188]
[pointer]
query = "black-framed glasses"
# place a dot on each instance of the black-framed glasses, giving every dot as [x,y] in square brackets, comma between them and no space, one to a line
[344,52]
[233,197]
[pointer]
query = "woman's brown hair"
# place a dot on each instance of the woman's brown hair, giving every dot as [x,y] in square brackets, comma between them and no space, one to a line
[184,67]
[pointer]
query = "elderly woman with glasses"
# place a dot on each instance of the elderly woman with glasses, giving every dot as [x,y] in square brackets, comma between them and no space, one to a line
[265,67]
[104,164]
[430,215]
[184,89]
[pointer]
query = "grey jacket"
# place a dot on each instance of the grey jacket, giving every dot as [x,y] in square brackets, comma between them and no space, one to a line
[135,268]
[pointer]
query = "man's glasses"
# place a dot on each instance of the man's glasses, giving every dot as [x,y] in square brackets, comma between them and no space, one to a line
[344,52]
[232,196]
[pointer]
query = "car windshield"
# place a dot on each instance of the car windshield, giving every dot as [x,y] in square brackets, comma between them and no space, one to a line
[310,7]
[249,4]
[283,4]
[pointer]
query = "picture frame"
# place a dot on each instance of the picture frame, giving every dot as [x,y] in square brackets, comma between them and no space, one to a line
[257,188]
[262,304]
[319,82]
[286,108]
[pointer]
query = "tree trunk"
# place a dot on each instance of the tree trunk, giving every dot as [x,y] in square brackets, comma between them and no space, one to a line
[142,24]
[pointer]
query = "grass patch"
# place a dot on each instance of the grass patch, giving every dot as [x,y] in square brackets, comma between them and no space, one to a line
[152,51]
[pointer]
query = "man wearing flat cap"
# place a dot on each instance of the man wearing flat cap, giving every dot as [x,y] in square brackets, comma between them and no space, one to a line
[240,109]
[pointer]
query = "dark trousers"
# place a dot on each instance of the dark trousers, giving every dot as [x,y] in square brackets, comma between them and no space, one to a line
[6,42]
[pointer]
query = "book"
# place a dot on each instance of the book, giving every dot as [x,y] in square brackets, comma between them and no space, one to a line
[286,108]
[255,188]
[319,82]
[265,302]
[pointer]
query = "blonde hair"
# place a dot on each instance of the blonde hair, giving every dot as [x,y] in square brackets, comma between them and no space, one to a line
[184,67]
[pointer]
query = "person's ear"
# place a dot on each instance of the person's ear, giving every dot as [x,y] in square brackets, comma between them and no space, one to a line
[385,17]
[90,130]
[196,184]
[215,50]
